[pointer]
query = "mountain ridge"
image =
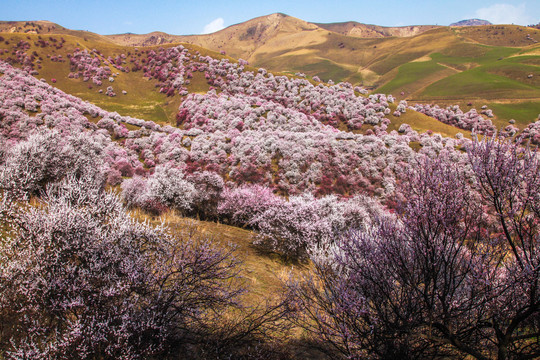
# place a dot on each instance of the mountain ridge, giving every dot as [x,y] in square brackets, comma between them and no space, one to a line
[471,22]
[446,65]
[356,29]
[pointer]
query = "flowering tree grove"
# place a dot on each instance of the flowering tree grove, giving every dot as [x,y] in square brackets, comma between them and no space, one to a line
[420,249]
[80,278]
[454,273]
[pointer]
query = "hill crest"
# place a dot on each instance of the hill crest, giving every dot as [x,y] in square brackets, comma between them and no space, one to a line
[444,63]
[356,29]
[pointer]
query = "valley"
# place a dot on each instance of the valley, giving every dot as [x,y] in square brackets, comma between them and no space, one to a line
[278,189]
[493,64]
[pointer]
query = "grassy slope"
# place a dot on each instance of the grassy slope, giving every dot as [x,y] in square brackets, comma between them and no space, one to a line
[491,76]
[348,53]
[446,64]
[501,79]
[412,75]
[455,67]
[498,35]
[458,64]
[142,99]
[421,123]
[521,112]
[390,64]
[47,28]
[455,70]
[265,272]
[479,84]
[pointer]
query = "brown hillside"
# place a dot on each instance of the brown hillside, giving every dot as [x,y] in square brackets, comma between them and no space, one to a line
[499,63]
[153,38]
[500,35]
[240,40]
[277,31]
[352,28]
[43,27]
[30,27]
[348,51]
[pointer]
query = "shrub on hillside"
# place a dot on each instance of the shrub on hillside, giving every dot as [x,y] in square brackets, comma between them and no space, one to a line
[165,188]
[453,115]
[240,205]
[453,275]
[47,156]
[80,278]
[305,226]
[208,189]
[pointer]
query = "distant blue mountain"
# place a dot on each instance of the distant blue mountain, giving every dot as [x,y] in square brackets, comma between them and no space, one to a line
[471,22]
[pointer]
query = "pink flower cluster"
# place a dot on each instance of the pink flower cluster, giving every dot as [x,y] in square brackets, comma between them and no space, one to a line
[247,140]
[453,115]
[88,66]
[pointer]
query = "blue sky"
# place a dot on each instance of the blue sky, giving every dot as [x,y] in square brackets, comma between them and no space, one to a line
[195,17]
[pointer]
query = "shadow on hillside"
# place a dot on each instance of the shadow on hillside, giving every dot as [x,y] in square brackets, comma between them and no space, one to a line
[262,250]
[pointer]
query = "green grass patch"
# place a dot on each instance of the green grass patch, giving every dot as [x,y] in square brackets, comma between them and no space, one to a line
[518,72]
[355,79]
[392,61]
[464,50]
[326,70]
[477,83]
[524,113]
[410,73]
[526,59]
[462,54]
[422,123]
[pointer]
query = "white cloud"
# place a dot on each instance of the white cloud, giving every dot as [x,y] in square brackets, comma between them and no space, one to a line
[214,26]
[505,14]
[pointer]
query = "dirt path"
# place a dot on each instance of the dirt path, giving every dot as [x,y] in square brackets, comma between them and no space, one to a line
[450,67]
[497,101]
